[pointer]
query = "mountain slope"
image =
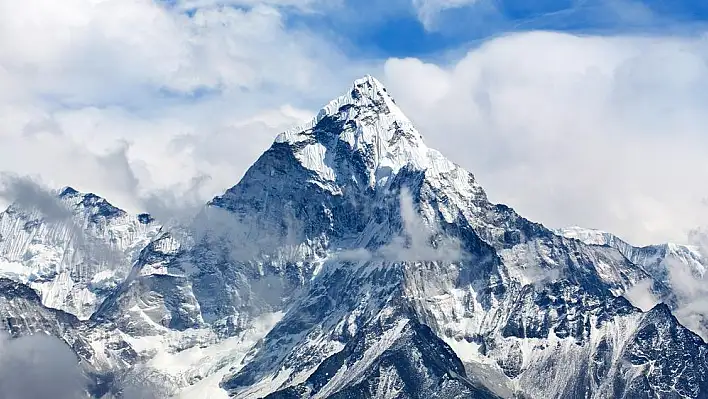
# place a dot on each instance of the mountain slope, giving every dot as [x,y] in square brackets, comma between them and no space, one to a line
[675,271]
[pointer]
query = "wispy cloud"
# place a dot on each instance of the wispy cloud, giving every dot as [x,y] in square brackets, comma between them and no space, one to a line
[691,290]
[29,194]
[690,285]
[418,242]
[641,295]
[42,366]
[428,10]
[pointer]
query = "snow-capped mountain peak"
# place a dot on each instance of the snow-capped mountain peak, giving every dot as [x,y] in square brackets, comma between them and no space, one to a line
[367,121]
[647,256]
[68,191]
[89,203]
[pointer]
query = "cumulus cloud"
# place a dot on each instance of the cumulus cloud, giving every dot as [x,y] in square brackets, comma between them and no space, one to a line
[573,130]
[179,90]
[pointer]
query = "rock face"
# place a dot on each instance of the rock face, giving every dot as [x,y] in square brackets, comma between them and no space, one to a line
[352,261]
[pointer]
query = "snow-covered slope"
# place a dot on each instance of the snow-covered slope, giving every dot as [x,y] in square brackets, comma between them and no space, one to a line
[352,261]
[666,264]
[72,261]
[655,259]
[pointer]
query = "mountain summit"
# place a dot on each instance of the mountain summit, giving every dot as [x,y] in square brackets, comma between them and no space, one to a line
[352,261]
[369,123]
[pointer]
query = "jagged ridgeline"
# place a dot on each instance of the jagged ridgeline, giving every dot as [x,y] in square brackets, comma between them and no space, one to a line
[351,261]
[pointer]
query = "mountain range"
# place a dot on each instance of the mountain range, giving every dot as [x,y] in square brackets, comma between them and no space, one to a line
[350,261]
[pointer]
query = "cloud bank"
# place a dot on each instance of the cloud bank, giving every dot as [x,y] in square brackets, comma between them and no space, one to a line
[39,367]
[603,132]
[138,99]
[132,98]
[42,366]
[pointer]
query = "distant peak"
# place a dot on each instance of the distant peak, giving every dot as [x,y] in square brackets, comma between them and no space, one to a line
[89,202]
[586,235]
[68,192]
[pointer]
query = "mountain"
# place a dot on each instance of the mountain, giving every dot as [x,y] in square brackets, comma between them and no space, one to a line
[676,272]
[74,259]
[655,259]
[352,261]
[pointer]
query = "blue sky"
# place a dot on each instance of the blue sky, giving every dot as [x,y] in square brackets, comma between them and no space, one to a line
[366,27]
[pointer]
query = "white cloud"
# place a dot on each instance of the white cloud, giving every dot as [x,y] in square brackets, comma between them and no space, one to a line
[604,132]
[300,5]
[32,195]
[428,10]
[418,242]
[132,98]
[691,291]
[37,367]
[85,51]
[128,97]
[42,366]
[641,295]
